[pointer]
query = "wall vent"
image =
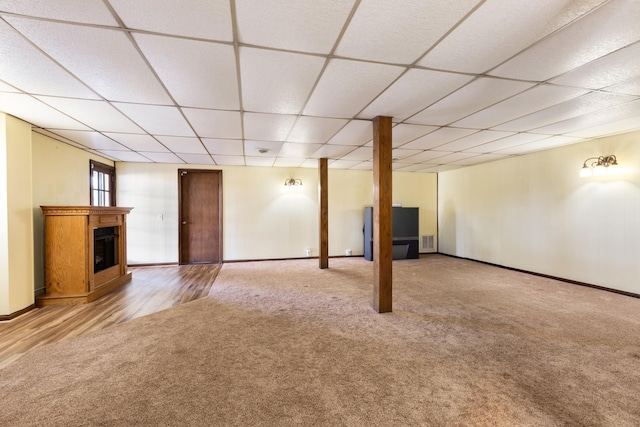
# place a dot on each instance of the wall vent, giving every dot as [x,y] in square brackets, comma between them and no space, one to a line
[427,243]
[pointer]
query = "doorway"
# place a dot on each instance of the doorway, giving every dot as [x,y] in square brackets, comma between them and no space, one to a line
[200,216]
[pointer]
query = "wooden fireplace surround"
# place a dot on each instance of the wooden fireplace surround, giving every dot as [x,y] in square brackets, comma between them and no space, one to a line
[70,258]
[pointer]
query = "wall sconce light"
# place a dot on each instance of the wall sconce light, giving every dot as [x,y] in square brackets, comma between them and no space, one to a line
[603,165]
[292,182]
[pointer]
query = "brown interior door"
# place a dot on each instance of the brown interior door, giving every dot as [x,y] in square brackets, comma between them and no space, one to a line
[200,193]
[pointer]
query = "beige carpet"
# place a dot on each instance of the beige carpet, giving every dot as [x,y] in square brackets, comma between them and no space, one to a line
[284,343]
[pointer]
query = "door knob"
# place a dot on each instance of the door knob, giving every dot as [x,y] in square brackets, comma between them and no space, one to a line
[184,222]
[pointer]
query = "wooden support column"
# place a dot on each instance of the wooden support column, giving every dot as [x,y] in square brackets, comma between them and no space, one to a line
[382,211]
[323,195]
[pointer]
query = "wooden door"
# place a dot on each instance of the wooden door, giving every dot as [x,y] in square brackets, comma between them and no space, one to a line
[200,216]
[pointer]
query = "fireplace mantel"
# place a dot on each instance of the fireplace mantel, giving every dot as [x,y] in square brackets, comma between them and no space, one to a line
[71,276]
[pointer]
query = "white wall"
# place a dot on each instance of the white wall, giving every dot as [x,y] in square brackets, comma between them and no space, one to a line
[535,213]
[262,219]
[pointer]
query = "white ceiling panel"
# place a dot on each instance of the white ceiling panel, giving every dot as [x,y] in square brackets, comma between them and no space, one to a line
[163,157]
[268,127]
[500,29]
[137,142]
[402,153]
[346,87]
[125,156]
[253,148]
[508,142]
[209,19]
[620,126]
[630,87]
[286,162]
[414,91]
[356,132]
[197,159]
[405,167]
[439,168]
[225,147]
[530,101]
[116,70]
[590,102]
[182,145]
[427,156]
[91,139]
[367,166]
[361,154]
[482,158]
[27,68]
[312,26]
[157,119]
[382,31]
[315,129]
[229,160]
[7,88]
[609,70]
[332,151]
[607,29]
[478,94]
[196,73]
[85,11]
[403,133]
[214,123]
[95,114]
[294,150]
[474,140]
[311,164]
[35,112]
[439,137]
[543,144]
[453,157]
[277,82]
[344,164]
[260,161]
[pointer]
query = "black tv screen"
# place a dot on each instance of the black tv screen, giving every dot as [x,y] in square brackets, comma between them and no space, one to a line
[405,223]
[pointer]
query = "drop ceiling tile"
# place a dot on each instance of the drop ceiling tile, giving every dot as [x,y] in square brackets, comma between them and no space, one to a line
[182,145]
[215,123]
[356,132]
[277,82]
[196,73]
[346,87]
[510,141]
[626,125]
[225,147]
[530,101]
[125,156]
[310,164]
[332,151]
[163,157]
[28,69]
[7,88]
[439,137]
[605,30]
[288,162]
[209,19]
[478,159]
[116,70]
[83,11]
[405,167]
[268,127]
[621,111]
[361,154]
[454,157]
[401,153]
[543,144]
[382,31]
[290,149]
[499,29]
[251,148]
[229,160]
[92,140]
[365,166]
[312,26]
[344,164]
[196,159]
[157,119]
[35,112]
[98,115]
[403,133]
[608,70]
[138,142]
[574,107]
[440,168]
[315,129]
[479,94]
[630,87]
[414,91]
[60,138]
[426,156]
[474,140]
[260,161]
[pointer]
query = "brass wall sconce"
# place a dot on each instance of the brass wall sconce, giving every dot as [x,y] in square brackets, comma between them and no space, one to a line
[292,182]
[600,166]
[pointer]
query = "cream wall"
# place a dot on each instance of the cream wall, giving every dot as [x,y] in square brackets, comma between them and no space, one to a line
[60,178]
[16,226]
[535,213]
[262,219]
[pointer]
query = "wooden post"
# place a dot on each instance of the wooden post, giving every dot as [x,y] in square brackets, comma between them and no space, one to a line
[382,211]
[323,195]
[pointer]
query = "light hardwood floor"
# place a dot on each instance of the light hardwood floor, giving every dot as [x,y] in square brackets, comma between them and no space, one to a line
[151,289]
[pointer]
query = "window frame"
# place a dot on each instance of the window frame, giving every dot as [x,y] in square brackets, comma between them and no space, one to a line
[98,167]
